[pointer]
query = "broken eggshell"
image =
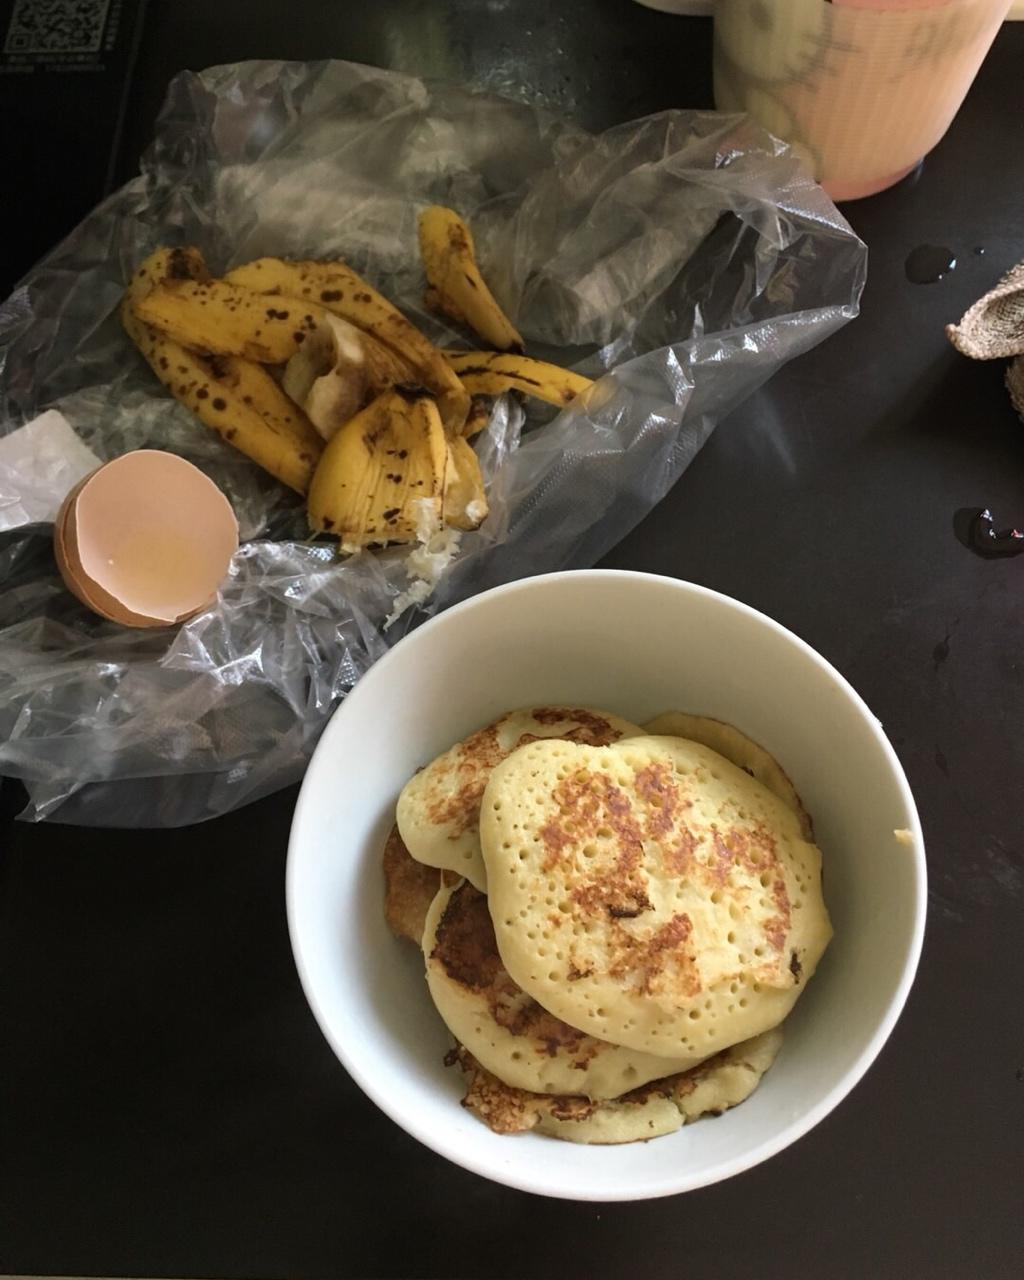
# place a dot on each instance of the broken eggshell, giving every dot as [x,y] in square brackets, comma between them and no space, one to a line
[145,540]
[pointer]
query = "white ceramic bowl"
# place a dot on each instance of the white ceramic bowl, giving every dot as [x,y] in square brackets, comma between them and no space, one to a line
[637,645]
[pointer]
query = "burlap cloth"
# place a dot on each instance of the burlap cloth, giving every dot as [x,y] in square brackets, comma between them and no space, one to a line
[994,327]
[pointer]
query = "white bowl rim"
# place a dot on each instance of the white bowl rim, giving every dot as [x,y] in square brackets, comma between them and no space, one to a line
[677,1181]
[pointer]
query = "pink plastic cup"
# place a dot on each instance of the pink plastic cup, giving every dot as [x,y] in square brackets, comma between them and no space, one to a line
[863,89]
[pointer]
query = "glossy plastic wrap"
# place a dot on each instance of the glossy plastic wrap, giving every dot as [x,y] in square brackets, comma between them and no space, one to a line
[687,253]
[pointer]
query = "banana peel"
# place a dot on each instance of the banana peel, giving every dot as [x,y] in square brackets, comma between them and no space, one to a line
[258,390]
[327,376]
[237,399]
[392,467]
[465,501]
[336,287]
[491,373]
[183,263]
[338,370]
[480,408]
[385,368]
[227,319]
[455,286]
[379,470]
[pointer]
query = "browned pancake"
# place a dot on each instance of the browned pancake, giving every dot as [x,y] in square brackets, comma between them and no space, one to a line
[651,892]
[438,811]
[650,1111]
[742,751]
[409,889]
[506,1030]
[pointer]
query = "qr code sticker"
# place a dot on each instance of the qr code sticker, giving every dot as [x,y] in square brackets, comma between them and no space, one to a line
[56,26]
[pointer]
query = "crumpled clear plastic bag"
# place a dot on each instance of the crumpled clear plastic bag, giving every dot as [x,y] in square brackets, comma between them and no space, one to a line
[687,252]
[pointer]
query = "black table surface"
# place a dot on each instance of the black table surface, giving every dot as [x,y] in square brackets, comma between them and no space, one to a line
[167,1103]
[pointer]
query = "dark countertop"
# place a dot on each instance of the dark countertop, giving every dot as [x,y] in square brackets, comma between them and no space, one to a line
[167,1104]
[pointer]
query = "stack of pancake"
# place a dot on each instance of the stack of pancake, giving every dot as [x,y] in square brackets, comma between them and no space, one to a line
[615,921]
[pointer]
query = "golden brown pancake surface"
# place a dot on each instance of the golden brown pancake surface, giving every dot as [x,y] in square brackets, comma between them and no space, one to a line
[438,810]
[506,1030]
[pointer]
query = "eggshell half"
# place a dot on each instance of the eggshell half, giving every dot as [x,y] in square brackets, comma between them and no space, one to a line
[145,540]
[60,550]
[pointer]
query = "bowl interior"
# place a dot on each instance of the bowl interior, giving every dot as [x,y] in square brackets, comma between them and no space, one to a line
[636,645]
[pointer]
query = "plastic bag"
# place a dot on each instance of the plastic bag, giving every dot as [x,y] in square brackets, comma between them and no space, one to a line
[688,251]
